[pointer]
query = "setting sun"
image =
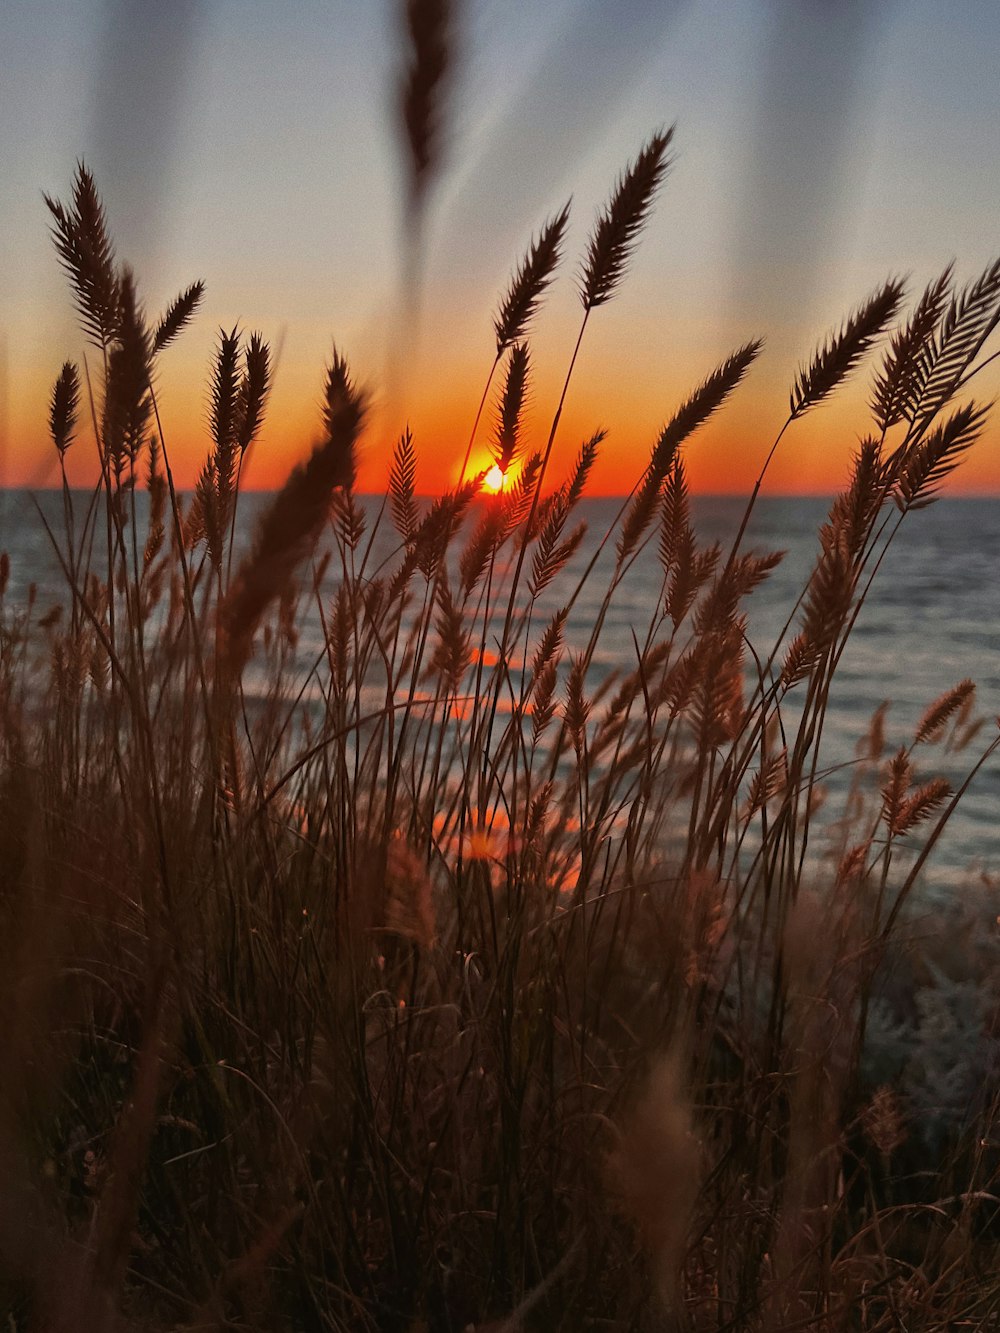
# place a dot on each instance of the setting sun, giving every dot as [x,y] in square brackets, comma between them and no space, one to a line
[493,480]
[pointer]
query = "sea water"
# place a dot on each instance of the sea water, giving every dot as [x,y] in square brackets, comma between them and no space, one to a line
[931,618]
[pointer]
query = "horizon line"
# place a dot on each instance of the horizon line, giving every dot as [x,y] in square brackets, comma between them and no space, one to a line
[603,495]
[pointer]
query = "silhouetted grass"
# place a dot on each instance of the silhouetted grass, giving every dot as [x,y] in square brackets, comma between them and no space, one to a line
[427,986]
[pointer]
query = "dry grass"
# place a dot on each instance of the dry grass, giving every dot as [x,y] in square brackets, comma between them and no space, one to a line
[423,984]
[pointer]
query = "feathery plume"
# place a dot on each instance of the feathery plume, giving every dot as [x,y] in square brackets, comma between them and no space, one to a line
[691,571]
[549,644]
[894,793]
[402,483]
[920,806]
[618,226]
[208,521]
[63,407]
[738,579]
[517,501]
[451,653]
[694,412]
[767,782]
[639,515]
[675,514]
[937,715]
[507,435]
[703,403]
[854,510]
[156,485]
[841,353]
[436,528]
[429,36]
[577,708]
[253,391]
[348,517]
[127,401]
[543,705]
[552,555]
[84,247]
[898,380]
[344,408]
[482,544]
[177,316]
[828,600]
[872,743]
[883,1121]
[528,284]
[409,902]
[222,410]
[653,1171]
[971,317]
[585,459]
[293,522]
[716,704]
[937,455]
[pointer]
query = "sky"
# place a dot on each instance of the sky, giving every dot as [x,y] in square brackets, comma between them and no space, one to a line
[821,145]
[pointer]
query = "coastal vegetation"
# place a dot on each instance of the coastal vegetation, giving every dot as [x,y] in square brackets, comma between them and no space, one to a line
[427,981]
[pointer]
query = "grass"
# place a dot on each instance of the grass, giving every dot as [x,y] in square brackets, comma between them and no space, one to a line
[430,986]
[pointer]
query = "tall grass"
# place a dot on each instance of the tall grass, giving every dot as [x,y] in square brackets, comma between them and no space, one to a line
[427,985]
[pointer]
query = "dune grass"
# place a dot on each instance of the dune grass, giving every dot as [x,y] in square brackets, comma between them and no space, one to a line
[428,985]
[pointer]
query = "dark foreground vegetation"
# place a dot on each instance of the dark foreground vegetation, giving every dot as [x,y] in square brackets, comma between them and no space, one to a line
[430,986]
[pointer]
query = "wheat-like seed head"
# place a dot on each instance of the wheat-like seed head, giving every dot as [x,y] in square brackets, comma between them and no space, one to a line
[157,487]
[937,715]
[638,516]
[63,407]
[883,1121]
[841,353]
[897,785]
[577,708]
[482,543]
[528,284]
[409,901]
[936,455]
[576,483]
[653,1171]
[918,807]
[254,388]
[429,34]
[402,483]
[899,380]
[178,316]
[693,413]
[127,401]
[507,433]
[702,404]
[223,410]
[451,653]
[970,318]
[293,521]
[617,229]
[675,514]
[81,239]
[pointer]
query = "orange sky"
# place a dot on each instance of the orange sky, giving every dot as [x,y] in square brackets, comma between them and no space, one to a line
[816,155]
[611,390]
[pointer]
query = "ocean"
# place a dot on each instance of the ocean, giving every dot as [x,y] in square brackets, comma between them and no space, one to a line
[932,617]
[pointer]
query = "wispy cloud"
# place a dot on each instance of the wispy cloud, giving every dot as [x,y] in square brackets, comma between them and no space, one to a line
[139,91]
[566,94]
[816,82]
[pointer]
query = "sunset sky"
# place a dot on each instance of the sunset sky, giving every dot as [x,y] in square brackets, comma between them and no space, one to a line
[821,145]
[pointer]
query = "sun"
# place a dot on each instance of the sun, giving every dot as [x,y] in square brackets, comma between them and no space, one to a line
[493,480]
